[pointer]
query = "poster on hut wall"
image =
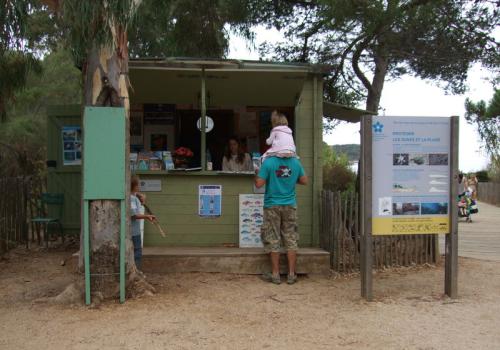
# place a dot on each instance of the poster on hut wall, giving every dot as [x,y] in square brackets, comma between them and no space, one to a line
[71,145]
[210,200]
[251,219]
[411,175]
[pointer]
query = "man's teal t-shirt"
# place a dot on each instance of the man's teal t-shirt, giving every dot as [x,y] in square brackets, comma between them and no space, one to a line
[281,175]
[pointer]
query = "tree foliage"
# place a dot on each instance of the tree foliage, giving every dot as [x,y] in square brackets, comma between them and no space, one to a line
[351,150]
[368,42]
[23,136]
[17,59]
[188,28]
[15,67]
[486,118]
[60,83]
[337,175]
[91,24]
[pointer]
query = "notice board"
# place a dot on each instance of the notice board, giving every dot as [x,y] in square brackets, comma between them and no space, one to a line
[411,175]
[104,153]
[209,200]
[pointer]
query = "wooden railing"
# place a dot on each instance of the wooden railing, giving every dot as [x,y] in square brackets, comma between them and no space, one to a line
[340,235]
[489,192]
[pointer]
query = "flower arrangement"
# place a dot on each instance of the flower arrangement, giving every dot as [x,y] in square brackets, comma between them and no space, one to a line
[182,155]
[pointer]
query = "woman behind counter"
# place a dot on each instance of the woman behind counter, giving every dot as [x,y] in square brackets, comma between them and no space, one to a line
[235,159]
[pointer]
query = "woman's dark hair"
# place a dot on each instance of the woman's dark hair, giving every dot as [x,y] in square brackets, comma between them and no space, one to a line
[241,155]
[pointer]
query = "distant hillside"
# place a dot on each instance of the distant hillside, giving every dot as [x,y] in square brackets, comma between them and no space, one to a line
[352,150]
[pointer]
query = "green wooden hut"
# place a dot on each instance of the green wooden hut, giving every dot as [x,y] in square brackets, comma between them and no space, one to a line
[168,97]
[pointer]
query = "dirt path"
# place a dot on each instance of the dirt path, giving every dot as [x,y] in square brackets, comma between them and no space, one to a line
[218,311]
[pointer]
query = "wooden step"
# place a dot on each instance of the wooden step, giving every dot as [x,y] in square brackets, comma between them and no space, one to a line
[228,260]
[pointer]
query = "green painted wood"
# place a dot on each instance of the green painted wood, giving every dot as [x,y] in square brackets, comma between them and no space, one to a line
[104,149]
[225,88]
[177,209]
[152,238]
[123,230]
[317,141]
[64,179]
[309,124]
[86,250]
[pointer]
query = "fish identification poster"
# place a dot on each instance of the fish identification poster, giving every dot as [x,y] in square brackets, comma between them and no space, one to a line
[251,219]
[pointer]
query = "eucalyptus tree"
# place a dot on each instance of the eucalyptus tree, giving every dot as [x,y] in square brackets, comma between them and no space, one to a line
[96,34]
[16,58]
[370,41]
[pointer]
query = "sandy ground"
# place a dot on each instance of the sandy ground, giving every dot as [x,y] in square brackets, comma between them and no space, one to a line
[219,311]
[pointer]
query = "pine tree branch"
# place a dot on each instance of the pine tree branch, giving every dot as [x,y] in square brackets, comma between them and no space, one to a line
[355,63]
[344,56]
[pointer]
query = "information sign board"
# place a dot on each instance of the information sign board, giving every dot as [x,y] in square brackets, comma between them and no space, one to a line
[411,175]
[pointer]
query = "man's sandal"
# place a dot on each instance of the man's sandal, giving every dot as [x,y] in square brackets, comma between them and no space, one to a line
[291,279]
[269,277]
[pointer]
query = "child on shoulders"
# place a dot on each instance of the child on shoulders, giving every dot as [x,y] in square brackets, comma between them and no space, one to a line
[281,138]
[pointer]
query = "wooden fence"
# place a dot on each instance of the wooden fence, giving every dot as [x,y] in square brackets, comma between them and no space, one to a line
[489,192]
[18,204]
[14,194]
[340,235]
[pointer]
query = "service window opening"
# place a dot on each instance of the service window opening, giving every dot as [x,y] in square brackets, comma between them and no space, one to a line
[166,130]
[161,128]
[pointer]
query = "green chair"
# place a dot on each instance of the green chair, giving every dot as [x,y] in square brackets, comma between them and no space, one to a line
[48,201]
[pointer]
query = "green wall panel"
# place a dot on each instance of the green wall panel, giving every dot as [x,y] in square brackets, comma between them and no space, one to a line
[64,179]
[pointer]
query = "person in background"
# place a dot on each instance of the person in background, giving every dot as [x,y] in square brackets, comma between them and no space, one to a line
[235,159]
[472,185]
[462,184]
[142,199]
[136,216]
[281,138]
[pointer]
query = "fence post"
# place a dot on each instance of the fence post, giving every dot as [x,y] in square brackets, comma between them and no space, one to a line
[366,209]
[451,241]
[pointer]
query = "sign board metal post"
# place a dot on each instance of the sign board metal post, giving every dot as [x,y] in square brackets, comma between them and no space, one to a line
[451,240]
[86,250]
[123,222]
[366,262]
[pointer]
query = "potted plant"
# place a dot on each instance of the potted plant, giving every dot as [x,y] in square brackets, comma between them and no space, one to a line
[182,156]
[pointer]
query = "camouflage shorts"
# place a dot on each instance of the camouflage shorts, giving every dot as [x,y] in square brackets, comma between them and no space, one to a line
[279,229]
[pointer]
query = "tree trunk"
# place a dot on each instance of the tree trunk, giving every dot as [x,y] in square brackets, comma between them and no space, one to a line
[106,84]
[377,85]
[3,111]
